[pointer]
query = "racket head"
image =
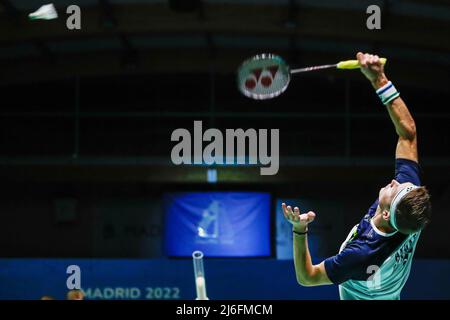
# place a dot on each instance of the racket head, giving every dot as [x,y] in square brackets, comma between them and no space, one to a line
[264,76]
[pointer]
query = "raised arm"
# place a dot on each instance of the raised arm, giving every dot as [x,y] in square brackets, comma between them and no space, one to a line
[404,123]
[306,273]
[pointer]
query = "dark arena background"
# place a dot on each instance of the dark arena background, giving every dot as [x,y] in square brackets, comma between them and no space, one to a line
[91,198]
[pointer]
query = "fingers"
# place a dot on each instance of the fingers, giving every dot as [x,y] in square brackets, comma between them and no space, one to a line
[311,216]
[295,214]
[362,59]
[366,59]
[373,59]
[307,217]
[289,214]
[283,205]
[292,215]
[285,212]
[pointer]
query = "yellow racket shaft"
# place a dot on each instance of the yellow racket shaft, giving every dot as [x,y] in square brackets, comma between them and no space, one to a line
[353,64]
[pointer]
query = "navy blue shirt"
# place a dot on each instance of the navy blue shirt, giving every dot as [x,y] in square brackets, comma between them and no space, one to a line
[366,246]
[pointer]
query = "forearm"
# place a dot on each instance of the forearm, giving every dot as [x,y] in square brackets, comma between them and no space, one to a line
[304,269]
[402,119]
[398,112]
[306,273]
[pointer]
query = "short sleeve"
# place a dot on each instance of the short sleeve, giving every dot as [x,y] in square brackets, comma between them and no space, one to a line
[350,263]
[407,171]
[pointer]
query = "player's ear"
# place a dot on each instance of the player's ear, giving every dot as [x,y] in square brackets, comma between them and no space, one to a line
[386,215]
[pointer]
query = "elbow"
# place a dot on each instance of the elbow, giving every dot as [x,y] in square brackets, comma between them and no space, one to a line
[409,131]
[305,282]
[412,131]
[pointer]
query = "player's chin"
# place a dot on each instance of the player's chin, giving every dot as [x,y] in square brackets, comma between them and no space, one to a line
[382,197]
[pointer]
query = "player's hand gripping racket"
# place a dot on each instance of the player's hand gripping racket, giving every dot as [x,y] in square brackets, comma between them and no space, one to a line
[266,76]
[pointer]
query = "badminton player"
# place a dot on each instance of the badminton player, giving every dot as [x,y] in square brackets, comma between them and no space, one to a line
[375,259]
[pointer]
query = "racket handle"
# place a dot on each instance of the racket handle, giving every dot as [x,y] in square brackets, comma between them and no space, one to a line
[353,64]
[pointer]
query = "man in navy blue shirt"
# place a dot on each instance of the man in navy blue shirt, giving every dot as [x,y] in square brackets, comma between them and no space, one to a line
[375,259]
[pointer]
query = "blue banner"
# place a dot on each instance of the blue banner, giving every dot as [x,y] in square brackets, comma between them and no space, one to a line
[162,279]
[220,224]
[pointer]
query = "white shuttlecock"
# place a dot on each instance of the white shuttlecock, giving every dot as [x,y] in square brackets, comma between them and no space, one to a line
[46,12]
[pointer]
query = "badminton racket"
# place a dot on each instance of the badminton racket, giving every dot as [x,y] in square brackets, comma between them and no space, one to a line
[266,76]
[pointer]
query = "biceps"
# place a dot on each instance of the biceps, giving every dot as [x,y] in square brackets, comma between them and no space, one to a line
[407,149]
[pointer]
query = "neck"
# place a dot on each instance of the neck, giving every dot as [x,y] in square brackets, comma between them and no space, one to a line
[381,223]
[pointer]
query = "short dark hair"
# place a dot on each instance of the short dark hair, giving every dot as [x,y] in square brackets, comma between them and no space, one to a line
[414,211]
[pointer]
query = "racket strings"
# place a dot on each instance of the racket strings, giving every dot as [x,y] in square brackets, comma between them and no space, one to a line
[267,76]
[263,77]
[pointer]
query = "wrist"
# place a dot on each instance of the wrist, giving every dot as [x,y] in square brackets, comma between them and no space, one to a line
[379,81]
[387,93]
[300,229]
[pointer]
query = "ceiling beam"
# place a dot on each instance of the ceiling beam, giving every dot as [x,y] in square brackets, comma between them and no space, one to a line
[194,61]
[241,20]
[157,170]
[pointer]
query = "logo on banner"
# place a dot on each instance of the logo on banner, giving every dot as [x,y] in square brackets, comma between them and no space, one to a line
[214,225]
[208,226]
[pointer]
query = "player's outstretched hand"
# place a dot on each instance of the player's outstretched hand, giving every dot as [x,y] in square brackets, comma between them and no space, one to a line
[299,221]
